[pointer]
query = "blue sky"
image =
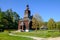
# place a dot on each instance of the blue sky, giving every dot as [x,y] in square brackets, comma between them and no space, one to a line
[45,8]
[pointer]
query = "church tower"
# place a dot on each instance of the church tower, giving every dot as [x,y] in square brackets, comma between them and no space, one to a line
[24,24]
[27,12]
[27,17]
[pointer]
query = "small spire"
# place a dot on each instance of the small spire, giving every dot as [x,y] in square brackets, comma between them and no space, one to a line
[27,7]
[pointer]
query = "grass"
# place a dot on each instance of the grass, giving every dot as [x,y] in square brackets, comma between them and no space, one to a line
[5,36]
[44,34]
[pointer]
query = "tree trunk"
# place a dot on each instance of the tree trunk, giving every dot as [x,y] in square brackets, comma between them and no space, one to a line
[36,29]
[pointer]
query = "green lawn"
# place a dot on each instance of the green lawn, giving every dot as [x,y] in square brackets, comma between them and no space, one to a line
[44,34]
[5,36]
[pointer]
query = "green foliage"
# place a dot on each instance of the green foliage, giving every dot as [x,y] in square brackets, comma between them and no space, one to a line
[45,23]
[9,19]
[51,24]
[37,21]
[58,25]
[34,23]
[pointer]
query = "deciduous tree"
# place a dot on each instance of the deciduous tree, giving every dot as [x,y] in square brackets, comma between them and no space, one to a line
[51,24]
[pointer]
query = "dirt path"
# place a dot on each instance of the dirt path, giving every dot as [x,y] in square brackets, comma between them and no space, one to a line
[36,38]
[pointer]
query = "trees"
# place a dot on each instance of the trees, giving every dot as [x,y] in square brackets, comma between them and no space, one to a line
[12,18]
[9,19]
[37,21]
[51,24]
[34,23]
[38,17]
[58,25]
[1,16]
[45,23]
[15,19]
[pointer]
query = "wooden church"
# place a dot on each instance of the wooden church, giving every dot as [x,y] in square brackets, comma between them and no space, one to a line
[25,23]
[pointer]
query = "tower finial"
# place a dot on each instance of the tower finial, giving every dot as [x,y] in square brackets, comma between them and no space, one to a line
[27,7]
